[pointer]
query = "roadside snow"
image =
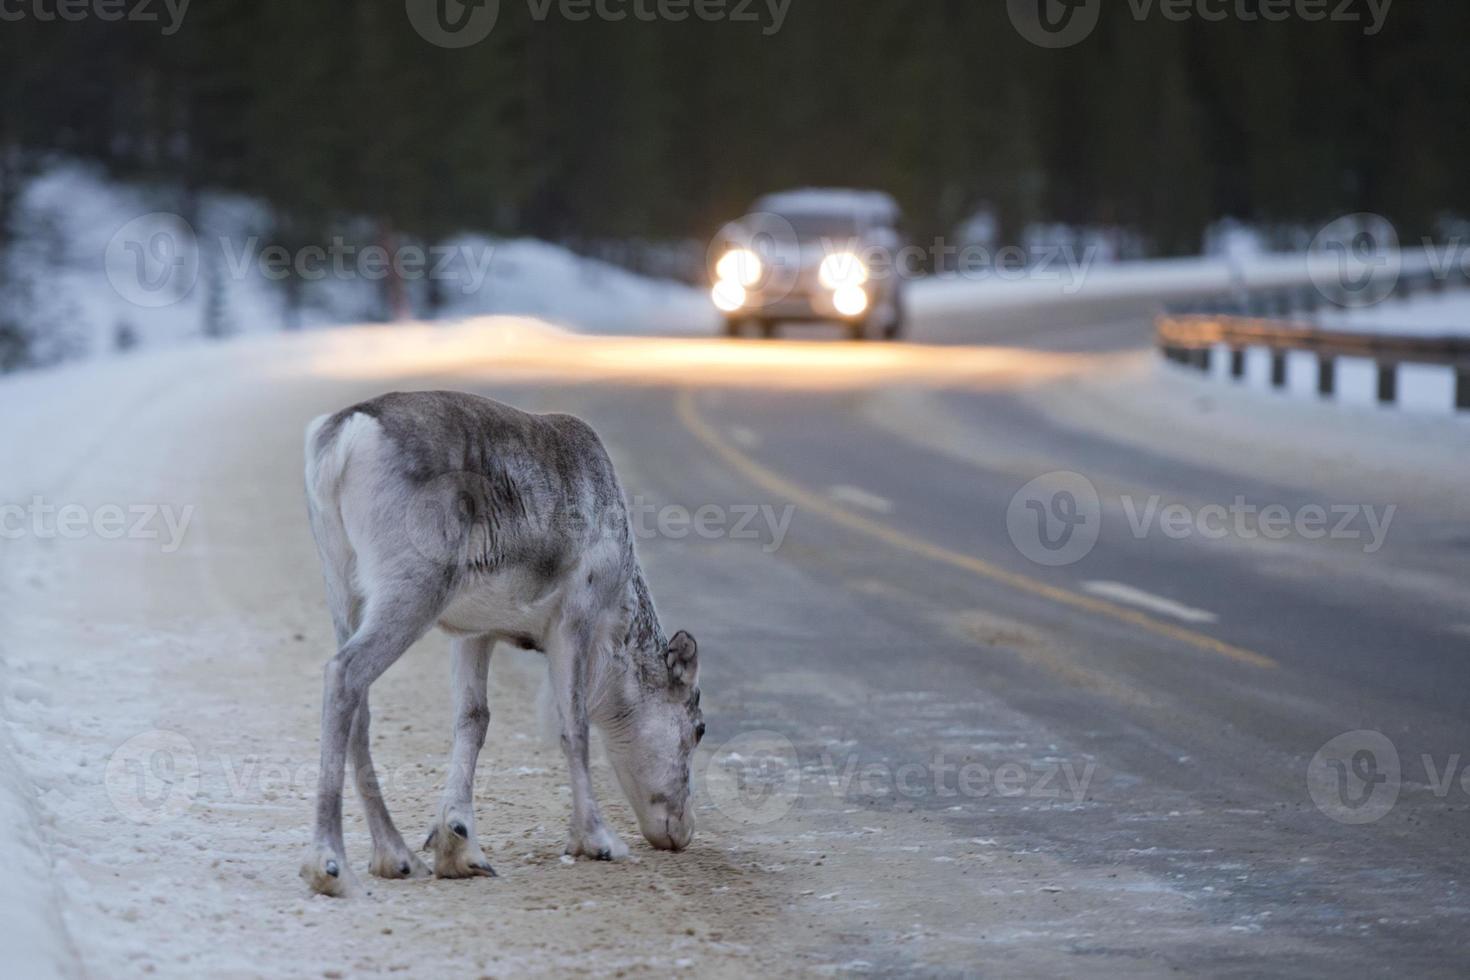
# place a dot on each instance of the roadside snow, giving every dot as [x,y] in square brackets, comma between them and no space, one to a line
[1066,277]
[31,932]
[95,260]
[1425,314]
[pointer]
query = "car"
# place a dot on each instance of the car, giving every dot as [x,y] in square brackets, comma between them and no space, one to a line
[810,256]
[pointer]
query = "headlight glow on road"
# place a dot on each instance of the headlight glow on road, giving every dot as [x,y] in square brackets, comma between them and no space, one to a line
[850,300]
[728,296]
[740,266]
[841,270]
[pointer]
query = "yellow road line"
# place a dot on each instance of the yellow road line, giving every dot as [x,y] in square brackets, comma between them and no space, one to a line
[688,414]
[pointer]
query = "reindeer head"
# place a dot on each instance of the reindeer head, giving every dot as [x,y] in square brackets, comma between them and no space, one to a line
[654,742]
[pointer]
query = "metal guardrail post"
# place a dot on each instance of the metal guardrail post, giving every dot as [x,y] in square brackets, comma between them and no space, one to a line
[1278,369]
[1326,375]
[1388,383]
[1462,389]
[1237,362]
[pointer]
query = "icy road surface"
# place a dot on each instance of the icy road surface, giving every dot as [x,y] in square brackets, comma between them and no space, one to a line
[964,759]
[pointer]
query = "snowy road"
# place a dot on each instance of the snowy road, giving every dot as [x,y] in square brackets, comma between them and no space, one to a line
[1000,763]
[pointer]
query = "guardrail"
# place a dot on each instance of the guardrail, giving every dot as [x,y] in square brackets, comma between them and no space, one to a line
[1280,322]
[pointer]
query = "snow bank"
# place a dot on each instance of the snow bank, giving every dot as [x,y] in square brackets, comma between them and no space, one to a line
[1064,277]
[81,240]
[1426,314]
[32,936]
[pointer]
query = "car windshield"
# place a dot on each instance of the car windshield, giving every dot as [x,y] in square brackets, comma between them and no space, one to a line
[816,227]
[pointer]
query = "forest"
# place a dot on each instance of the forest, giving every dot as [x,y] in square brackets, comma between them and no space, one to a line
[586,130]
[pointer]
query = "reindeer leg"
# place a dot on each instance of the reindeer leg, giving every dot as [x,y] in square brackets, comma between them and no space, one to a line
[569,654]
[391,856]
[388,629]
[452,838]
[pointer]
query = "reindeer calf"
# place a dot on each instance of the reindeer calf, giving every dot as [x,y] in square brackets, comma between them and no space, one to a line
[445,509]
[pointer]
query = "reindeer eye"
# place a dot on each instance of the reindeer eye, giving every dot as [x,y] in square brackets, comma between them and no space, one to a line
[699,732]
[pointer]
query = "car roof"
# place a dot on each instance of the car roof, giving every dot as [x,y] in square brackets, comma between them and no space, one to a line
[873,206]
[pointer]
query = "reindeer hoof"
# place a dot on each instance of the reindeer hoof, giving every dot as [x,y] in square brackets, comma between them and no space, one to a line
[600,845]
[456,854]
[326,874]
[397,865]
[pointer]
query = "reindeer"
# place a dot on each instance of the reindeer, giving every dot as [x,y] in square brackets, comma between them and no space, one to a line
[445,509]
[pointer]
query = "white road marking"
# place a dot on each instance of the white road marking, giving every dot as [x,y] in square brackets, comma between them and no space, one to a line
[746,438]
[842,493]
[1129,596]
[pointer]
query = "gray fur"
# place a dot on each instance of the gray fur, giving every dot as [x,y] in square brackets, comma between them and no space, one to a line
[445,509]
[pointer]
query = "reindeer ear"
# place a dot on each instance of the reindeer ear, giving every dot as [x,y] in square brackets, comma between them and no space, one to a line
[682,656]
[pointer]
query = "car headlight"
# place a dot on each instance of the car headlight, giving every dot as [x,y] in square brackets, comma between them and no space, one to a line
[850,300]
[728,295]
[842,269]
[740,266]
